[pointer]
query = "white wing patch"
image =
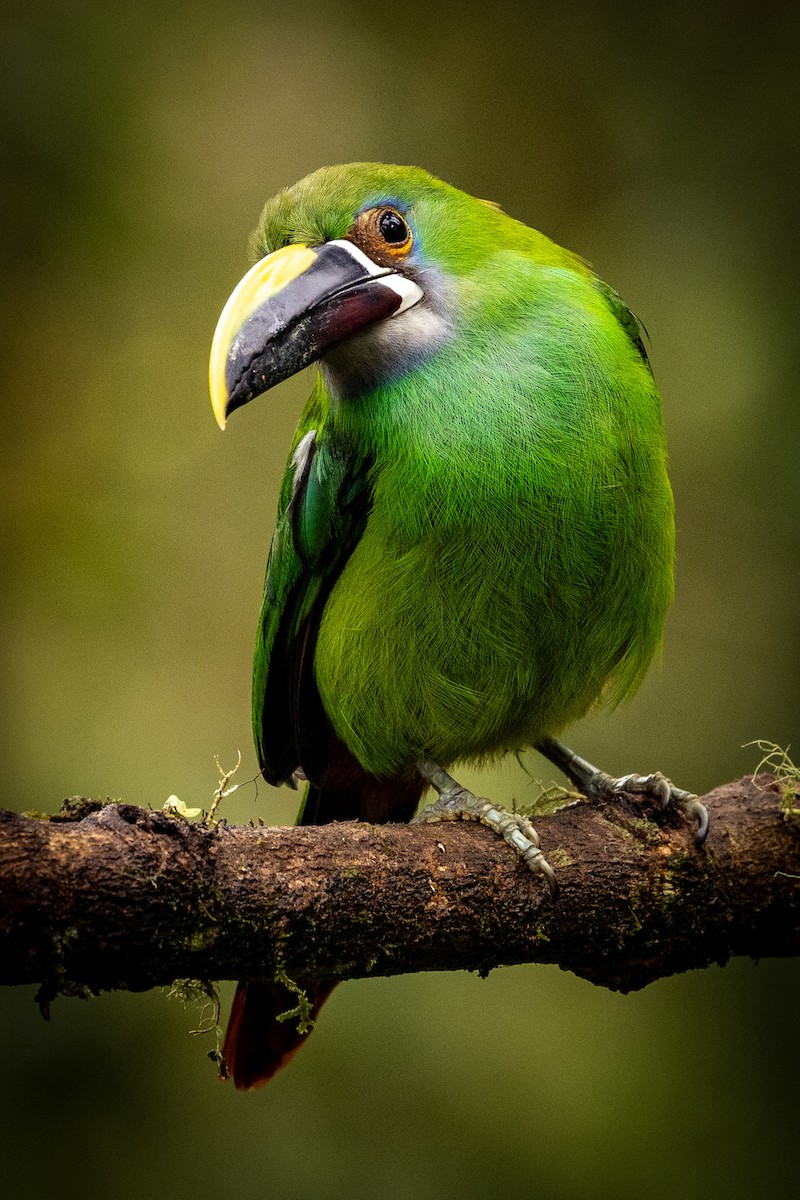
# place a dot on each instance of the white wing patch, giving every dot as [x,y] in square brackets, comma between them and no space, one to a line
[300,459]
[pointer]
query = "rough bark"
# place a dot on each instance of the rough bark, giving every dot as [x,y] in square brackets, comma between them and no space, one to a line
[122,897]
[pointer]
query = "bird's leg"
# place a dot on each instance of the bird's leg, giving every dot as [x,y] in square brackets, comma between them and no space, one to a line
[597,785]
[456,803]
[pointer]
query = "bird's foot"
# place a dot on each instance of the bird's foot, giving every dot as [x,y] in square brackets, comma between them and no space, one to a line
[457,803]
[596,785]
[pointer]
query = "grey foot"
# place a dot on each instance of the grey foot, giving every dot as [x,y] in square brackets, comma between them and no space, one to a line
[597,785]
[456,803]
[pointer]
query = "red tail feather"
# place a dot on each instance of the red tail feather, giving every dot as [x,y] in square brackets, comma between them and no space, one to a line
[256,1043]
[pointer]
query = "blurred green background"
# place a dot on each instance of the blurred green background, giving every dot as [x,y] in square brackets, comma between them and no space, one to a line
[139,142]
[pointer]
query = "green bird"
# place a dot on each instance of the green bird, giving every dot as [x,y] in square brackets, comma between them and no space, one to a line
[475,530]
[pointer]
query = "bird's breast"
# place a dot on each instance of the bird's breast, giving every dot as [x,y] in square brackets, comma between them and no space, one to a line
[482,608]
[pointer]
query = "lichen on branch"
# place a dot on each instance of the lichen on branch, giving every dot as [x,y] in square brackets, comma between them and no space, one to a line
[115,896]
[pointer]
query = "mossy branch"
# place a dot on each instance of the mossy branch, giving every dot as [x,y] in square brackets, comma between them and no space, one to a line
[122,897]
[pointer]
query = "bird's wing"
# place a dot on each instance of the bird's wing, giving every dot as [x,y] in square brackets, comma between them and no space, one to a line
[629,321]
[323,509]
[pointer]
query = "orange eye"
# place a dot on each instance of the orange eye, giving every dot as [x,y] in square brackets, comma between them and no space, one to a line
[383,233]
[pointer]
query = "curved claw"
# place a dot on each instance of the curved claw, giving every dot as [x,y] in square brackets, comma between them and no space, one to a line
[457,803]
[536,861]
[656,785]
[700,813]
[694,810]
[527,848]
[597,785]
[527,830]
[661,792]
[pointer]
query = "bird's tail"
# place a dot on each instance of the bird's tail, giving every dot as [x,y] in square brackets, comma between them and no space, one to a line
[257,1042]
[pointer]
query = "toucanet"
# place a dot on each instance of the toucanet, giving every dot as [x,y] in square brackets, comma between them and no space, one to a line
[475,532]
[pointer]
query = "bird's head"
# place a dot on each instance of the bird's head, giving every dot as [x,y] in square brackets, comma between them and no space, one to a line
[365,268]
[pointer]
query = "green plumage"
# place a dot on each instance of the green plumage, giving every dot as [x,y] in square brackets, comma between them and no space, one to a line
[482,544]
[475,530]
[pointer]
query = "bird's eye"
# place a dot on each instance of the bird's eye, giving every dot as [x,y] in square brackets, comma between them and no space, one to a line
[393,228]
[383,234]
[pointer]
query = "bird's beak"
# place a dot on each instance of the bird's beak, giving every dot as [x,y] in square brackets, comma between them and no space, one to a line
[290,309]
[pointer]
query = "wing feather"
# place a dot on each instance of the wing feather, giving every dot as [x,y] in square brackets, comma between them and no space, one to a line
[324,505]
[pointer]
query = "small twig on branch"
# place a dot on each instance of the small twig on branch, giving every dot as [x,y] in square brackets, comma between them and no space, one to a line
[122,897]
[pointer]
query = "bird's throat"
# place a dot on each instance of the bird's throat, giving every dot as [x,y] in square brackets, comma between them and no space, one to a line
[380,355]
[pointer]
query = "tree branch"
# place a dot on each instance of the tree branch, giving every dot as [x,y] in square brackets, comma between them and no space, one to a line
[122,897]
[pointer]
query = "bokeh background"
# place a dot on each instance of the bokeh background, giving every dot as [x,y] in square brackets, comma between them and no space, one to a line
[139,141]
